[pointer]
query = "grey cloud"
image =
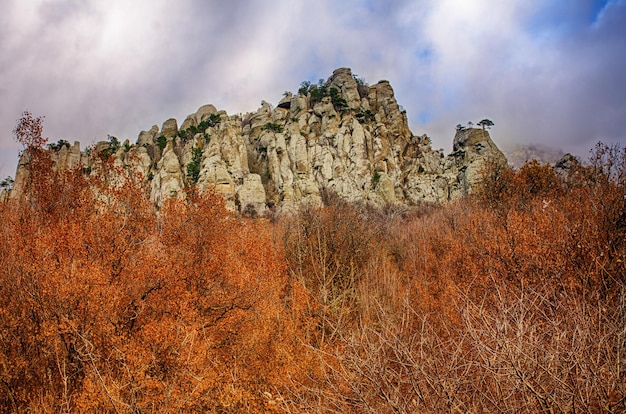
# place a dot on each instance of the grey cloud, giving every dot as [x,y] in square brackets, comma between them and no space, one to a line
[67,62]
[551,86]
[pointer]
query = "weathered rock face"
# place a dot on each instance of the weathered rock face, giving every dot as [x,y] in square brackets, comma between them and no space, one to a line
[68,157]
[251,198]
[473,149]
[22,176]
[168,180]
[343,136]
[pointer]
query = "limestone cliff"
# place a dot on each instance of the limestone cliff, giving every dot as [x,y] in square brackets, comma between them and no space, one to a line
[341,136]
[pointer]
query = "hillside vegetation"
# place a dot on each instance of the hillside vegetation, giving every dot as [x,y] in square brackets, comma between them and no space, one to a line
[510,300]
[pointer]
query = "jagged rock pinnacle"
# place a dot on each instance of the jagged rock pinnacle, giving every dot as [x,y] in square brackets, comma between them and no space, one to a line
[342,136]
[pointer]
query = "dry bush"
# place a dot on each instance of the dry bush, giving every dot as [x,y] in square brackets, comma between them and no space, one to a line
[107,306]
[330,251]
[538,352]
[507,302]
[510,301]
[527,354]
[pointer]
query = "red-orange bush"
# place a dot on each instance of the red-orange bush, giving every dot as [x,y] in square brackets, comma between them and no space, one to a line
[511,301]
[508,301]
[110,306]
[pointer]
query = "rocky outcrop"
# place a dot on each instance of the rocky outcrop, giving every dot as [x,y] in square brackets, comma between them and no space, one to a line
[251,197]
[520,154]
[473,150]
[340,136]
[567,167]
[168,179]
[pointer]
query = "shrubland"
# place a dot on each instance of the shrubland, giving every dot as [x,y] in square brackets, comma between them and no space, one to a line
[509,300]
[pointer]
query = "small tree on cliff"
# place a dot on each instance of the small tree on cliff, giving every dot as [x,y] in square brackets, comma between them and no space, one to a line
[486,123]
[28,132]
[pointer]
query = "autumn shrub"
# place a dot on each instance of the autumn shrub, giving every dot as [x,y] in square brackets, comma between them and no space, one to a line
[544,352]
[600,189]
[110,306]
[329,250]
[511,300]
[508,301]
[119,310]
[502,187]
[530,353]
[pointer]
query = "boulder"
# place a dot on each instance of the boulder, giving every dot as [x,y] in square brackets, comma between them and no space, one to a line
[203,113]
[148,137]
[474,150]
[345,83]
[169,128]
[567,166]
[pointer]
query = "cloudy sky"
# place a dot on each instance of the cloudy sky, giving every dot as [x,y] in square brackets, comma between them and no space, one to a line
[551,72]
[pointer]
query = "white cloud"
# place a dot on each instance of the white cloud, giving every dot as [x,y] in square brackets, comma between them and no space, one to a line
[548,72]
[522,65]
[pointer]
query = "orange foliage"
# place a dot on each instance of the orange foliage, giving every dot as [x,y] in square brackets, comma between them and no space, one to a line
[508,301]
[110,306]
[500,301]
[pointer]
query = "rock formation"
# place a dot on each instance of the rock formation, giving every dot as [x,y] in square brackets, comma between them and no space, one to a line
[520,154]
[341,136]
